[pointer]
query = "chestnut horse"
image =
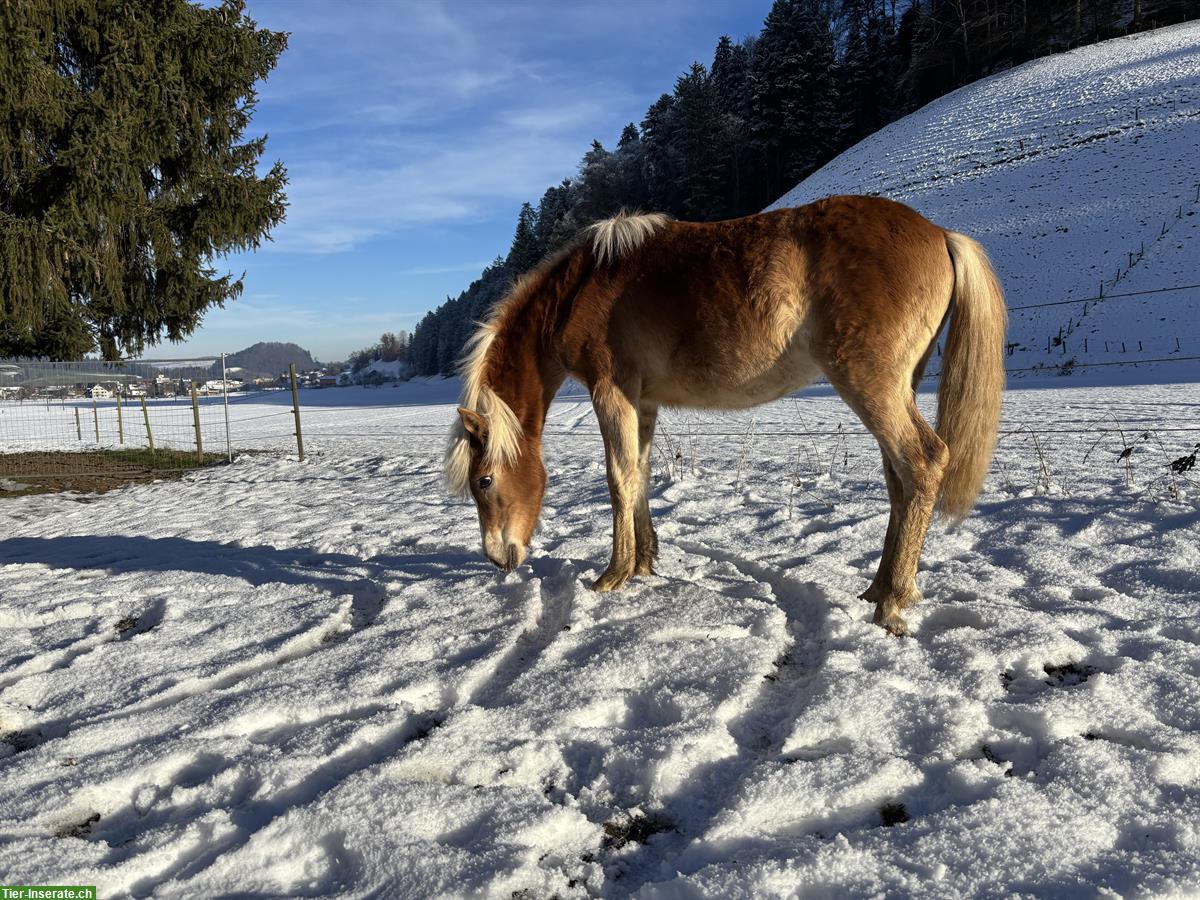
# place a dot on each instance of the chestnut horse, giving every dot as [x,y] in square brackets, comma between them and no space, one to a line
[649,312]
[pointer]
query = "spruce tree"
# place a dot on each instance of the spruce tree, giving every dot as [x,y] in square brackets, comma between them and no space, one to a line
[124,169]
[525,252]
[699,144]
[730,78]
[867,74]
[662,160]
[795,95]
[599,184]
[554,207]
[631,170]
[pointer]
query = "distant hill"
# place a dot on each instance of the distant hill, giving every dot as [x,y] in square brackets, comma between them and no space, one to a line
[266,359]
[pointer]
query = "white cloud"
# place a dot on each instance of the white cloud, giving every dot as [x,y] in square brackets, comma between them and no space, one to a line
[391,117]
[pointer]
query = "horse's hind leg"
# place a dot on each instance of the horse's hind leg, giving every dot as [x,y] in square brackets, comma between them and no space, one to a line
[647,540]
[617,415]
[896,501]
[917,457]
[877,591]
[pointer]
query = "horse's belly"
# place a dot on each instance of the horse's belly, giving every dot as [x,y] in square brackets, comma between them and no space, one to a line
[737,383]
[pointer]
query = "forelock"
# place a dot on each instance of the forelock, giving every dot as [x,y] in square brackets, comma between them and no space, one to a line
[500,450]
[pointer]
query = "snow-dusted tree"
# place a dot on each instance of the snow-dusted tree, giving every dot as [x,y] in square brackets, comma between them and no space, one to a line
[796,114]
[663,162]
[698,124]
[525,251]
[868,72]
[730,77]
[124,168]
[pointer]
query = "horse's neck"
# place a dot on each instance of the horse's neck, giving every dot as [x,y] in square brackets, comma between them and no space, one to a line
[527,379]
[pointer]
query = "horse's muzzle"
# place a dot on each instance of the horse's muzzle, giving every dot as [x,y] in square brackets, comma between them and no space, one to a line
[513,557]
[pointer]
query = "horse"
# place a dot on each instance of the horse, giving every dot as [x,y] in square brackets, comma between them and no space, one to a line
[647,312]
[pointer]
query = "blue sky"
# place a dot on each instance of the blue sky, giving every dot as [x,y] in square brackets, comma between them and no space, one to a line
[412,131]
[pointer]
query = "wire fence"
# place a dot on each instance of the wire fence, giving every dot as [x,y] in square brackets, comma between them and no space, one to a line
[90,423]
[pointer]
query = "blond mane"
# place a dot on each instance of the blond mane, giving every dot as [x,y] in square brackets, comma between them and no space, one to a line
[624,232]
[504,429]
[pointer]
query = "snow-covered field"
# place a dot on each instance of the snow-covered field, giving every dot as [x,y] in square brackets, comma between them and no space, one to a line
[286,679]
[1073,170]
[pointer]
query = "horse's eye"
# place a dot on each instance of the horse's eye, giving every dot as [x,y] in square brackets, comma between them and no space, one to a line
[485,482]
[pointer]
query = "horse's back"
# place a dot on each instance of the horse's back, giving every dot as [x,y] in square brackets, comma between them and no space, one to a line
[740,312]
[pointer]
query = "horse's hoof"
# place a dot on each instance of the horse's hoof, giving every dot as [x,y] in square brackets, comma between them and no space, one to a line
[891,621]
[610,581]
[644,567]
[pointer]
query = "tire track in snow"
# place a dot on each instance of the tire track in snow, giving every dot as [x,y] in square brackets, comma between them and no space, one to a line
[760,730]
[252,816]
[366,601]
[64,657]
[548,612]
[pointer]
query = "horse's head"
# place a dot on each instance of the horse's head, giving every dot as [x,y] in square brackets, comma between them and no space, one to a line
[492,461]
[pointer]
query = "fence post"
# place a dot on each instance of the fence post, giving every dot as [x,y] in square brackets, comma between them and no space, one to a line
[196,421]
[78,430]
[95,417]
[225,394]
[120,422]
[146,419]
[296,410]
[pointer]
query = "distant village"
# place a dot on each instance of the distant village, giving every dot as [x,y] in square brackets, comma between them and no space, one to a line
[35,383]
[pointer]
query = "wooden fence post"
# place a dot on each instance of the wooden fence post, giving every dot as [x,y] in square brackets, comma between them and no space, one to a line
[146,419]
[196,421]
[78,430]
[120,421]
[296,411]
[95,417]
[225,396]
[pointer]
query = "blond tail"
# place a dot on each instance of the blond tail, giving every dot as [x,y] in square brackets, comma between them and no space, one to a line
[972,375]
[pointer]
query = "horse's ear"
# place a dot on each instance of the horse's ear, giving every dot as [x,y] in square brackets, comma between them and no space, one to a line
[475,424]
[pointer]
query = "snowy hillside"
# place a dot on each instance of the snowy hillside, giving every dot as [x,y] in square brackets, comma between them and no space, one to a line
[1076,171]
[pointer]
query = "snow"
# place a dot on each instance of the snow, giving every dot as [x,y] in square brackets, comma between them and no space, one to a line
[294,679]
[277,678]
[1070,169]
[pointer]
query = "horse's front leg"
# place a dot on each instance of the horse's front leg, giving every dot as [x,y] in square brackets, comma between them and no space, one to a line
[617,414]
[647,540]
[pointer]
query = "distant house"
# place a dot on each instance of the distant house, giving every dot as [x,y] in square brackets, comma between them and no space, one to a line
[99,392]
[329,381]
